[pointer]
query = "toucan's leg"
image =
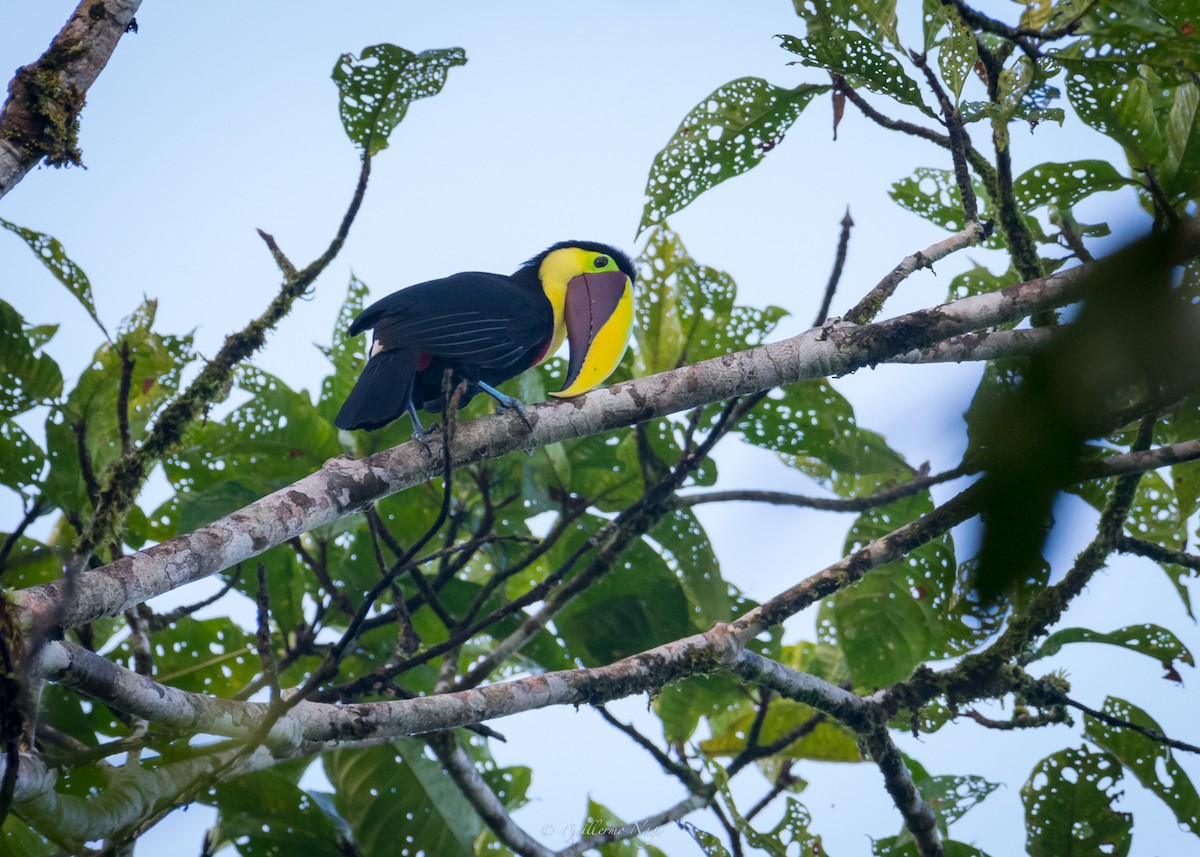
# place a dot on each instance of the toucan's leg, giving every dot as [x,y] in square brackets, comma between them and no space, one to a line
[418,430]
[506,402]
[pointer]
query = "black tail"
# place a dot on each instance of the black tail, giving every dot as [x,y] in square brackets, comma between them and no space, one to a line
[381,393]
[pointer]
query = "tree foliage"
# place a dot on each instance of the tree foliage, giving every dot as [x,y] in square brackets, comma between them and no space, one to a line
[590,551]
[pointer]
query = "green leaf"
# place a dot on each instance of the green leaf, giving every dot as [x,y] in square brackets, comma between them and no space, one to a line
[1179,173]
[957,54]
[395,797]
[375,89]
[1119,103]
[210,656]
[875,17]
[891,847]
[348,355]
[1065,185]
[686,311]
[862,61]
[636,605]
[21,459]
[1150,761]
[827,741]
[979,280]
[1068,806]
[51,253]
[950,797]
[27,378]
[710,845]
[1152,640]
[933,194]
[724,135]
[158,362]
[17,839]
[681,704]
[265,814]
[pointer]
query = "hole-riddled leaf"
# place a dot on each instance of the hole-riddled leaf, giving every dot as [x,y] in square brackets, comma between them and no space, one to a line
[1151,762]
[1068,806]
[724,135]
[21,459]
[27,376]
[686,311]
[51,254]
[1065,184]
[400,803]
[933,194]
[1152,640]
[861,61]
[376,88]
[348,356]
[267,815]
[957,54]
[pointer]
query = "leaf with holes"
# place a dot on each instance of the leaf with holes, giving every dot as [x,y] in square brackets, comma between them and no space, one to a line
[877,18]
[686,311]
[933,194]
[398,802]
[1065,185]
[978,281]
[210,656]
[863,62]
[375,89]
[726,134]
[266,814]
[1121,103]
[158,363]
[817,738]
[1152,640]
[1150,761]
[348,355]
[957,53]
[28,377]
[51,254]
[1069,806]
[21,459]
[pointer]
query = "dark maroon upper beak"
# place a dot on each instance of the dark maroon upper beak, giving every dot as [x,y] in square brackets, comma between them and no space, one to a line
[591,300]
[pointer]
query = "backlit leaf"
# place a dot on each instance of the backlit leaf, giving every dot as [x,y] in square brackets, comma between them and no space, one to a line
[1150,761]
[1069,806]
[51,253]
[863,62]
[375,89]
[724,135]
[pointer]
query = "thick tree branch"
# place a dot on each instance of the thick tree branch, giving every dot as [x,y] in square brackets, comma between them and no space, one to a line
[40,119]
[343,486]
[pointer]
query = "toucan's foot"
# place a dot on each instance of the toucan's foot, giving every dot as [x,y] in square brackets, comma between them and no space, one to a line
[420,435]
[507,402]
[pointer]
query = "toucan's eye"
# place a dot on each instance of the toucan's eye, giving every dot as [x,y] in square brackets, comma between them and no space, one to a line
[600,262]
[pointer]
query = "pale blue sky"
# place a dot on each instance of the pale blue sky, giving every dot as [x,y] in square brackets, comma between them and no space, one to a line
[211,122]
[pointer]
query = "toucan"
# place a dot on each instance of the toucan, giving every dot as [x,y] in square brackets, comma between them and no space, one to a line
[488,328]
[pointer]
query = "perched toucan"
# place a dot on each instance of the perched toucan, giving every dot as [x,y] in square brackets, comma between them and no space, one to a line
[490,327]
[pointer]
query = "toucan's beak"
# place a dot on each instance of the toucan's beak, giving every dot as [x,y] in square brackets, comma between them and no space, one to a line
[598,314]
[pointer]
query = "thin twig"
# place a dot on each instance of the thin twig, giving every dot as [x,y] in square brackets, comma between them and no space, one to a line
[835,276]
[1153,734]
[916,485]
[123,391]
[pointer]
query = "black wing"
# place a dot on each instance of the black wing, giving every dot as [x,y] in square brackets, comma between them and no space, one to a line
[478,318]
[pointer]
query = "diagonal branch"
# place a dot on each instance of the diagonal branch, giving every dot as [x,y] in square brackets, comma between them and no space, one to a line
[343,486]
[40,119]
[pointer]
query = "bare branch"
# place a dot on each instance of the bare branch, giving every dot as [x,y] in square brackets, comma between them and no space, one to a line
[867,308]
[344,486]
[827,504]
[835,275]
[40,119]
